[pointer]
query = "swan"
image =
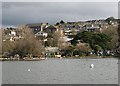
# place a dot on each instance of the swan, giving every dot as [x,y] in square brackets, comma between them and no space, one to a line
[28,69]
[92,66]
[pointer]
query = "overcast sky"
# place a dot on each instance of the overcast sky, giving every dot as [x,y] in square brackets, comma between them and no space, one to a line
[17,13]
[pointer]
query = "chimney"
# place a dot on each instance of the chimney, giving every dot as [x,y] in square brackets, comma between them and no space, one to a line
[41,27]
[92,25]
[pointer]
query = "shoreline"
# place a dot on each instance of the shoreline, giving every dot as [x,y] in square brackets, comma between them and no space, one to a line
[14,59]
[39,59]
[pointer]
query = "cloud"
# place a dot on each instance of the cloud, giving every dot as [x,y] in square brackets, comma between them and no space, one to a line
[16,13]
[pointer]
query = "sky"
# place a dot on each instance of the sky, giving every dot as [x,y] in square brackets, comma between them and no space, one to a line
[19,13]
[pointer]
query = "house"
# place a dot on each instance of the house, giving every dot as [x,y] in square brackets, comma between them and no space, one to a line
[52,49]
[67,32]
[43,34]
[52,52]
[66,39]
[12,33]
[35,27]
[50,29]
[92,28]
[11,39]
[71,32]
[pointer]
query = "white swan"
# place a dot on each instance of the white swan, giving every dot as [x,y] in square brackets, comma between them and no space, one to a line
[28,69]
[92,66]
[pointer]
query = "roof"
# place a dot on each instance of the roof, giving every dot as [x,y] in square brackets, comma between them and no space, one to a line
[51,27]
[33,25]
[52,49]
[66,39]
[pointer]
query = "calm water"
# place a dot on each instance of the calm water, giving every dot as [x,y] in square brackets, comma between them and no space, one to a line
[61,71]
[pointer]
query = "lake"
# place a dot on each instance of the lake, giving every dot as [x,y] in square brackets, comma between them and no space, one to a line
[61,71]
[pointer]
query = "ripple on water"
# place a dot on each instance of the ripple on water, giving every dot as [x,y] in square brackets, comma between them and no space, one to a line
[61,71]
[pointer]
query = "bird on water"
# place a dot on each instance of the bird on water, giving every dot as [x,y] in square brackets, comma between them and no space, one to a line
[28,69]
[92,66]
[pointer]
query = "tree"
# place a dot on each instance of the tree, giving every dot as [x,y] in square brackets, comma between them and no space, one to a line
[0,41]
[97,47]
[56,36]
[28,44]
[112,32]
[62,22]
[83,47]
[49,42]
[82,36]
[93,39]
[110,19]
[7,46]
[57,24]
[118,47]
[68,50]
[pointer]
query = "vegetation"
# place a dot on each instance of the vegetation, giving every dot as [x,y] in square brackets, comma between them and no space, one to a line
[93,39]
[113,33]
[84,43]
[28,45]
[62,22]
[118,47]
[54,40]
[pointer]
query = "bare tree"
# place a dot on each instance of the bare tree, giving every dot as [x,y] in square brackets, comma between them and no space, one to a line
[112,32]
[118,47]
[83,47]
[56,36]
[28,44]
[0,41]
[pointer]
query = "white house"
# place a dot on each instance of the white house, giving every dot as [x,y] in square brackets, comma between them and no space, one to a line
[11,39]
[13,33]
[52,49]
[92,28]
[65,39]
[41,34]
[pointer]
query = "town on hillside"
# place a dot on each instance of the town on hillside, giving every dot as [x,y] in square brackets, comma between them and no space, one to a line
[82,39]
